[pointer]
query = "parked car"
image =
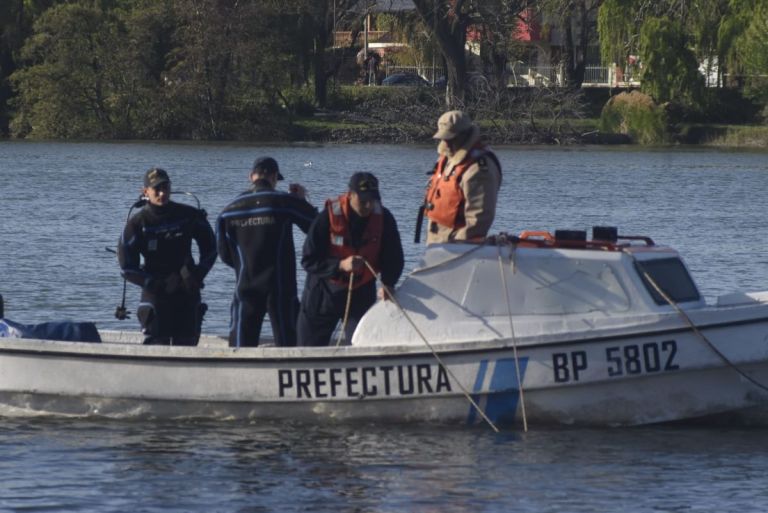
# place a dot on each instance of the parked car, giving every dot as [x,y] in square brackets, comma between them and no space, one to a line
[405,79]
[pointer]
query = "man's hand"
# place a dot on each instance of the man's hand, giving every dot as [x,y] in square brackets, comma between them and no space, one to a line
[385,293]
[352,264]
[298,190]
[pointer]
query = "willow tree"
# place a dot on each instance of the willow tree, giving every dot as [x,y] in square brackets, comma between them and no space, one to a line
[751,48]
[670,71]
[740,40]
[620,23]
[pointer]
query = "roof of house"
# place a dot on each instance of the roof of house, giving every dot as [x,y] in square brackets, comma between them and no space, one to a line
[395,5]
[384,5]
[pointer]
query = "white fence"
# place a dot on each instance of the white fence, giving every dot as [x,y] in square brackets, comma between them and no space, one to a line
[524,75]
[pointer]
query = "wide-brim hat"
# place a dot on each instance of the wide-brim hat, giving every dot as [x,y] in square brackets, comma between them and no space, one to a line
[451,124]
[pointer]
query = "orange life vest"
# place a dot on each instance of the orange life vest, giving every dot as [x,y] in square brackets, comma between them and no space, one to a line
[341,245]
[445,198]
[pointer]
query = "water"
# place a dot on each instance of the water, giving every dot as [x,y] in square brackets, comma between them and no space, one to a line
[63,203]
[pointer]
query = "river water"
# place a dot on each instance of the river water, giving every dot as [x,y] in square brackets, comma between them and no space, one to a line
[63,204]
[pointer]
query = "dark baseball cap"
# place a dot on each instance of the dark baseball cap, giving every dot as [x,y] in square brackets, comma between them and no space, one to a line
[365,185]
[155,177]
[267,165]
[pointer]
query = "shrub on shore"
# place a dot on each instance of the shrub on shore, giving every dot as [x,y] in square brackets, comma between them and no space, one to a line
[635,114]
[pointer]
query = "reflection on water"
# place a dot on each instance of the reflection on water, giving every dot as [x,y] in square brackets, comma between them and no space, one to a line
[63,203]
[203,466]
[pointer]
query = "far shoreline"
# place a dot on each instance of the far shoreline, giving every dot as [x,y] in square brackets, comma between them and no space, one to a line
[725,137]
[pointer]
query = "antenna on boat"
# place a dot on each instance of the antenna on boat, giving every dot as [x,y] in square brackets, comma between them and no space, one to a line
[121,312]
[197,200]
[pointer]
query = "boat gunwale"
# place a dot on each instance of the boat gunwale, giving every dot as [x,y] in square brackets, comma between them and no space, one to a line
[116,350]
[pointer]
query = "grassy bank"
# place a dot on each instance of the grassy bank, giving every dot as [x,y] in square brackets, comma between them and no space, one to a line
[732,136]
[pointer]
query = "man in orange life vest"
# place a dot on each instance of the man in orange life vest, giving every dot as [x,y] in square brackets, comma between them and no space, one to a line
[461,197]
[352,229]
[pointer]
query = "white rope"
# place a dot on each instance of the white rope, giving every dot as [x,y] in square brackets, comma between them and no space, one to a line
[693,327]
[449,260]
[512,329]
[346,309]
[434,353]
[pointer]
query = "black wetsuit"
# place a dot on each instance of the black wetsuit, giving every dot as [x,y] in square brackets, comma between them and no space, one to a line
[255,237]
[323,302]
[170,311]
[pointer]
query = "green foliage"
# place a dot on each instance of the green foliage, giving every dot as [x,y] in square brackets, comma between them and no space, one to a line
[752,49]
[615,27]
[670,70]
[67,90]
[636,115]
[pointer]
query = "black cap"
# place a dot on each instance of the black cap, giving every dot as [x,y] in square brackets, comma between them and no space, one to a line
[267,165]
[155,177]
[365,185]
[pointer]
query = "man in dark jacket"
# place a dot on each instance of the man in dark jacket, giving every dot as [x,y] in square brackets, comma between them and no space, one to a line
[255,237]
[162,233]
[351,233]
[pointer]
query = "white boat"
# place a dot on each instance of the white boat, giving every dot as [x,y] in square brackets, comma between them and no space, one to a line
[527,330]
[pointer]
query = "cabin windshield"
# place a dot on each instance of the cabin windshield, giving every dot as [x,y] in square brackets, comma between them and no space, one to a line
[671,276]
[546,286]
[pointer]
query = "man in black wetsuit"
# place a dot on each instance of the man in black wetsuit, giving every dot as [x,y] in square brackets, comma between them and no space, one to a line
[352,229]
[255,237]
[162,232]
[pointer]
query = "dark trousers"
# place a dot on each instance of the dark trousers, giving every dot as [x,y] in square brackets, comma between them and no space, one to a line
[248,311]
[322,308]
[171,319]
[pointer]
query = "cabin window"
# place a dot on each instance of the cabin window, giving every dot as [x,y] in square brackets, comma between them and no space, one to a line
[545,286]
[672,277]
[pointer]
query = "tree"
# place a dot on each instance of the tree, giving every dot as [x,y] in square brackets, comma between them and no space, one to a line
[574,18]
[498,22]
[703,22]
[670,71]
[752,49]
[621,21]
[65,91]
[449,20]
[15,26]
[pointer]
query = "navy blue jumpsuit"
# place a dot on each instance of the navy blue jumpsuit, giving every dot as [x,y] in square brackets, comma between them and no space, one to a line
[170,311]
[255,237]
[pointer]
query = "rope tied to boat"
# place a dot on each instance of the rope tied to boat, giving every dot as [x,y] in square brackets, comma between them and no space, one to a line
[691,324]
[344,322]
[435,354]
[502,240]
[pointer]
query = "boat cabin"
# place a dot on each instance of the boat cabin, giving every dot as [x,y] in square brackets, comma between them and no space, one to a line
[541,284]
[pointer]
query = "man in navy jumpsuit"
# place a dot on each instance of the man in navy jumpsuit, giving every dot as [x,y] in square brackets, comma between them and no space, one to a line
[162,233]
[255,237]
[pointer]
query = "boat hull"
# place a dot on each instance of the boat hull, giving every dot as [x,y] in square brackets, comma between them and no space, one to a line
[637,378]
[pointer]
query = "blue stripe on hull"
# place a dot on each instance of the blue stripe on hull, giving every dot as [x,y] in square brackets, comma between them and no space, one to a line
[503,395]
